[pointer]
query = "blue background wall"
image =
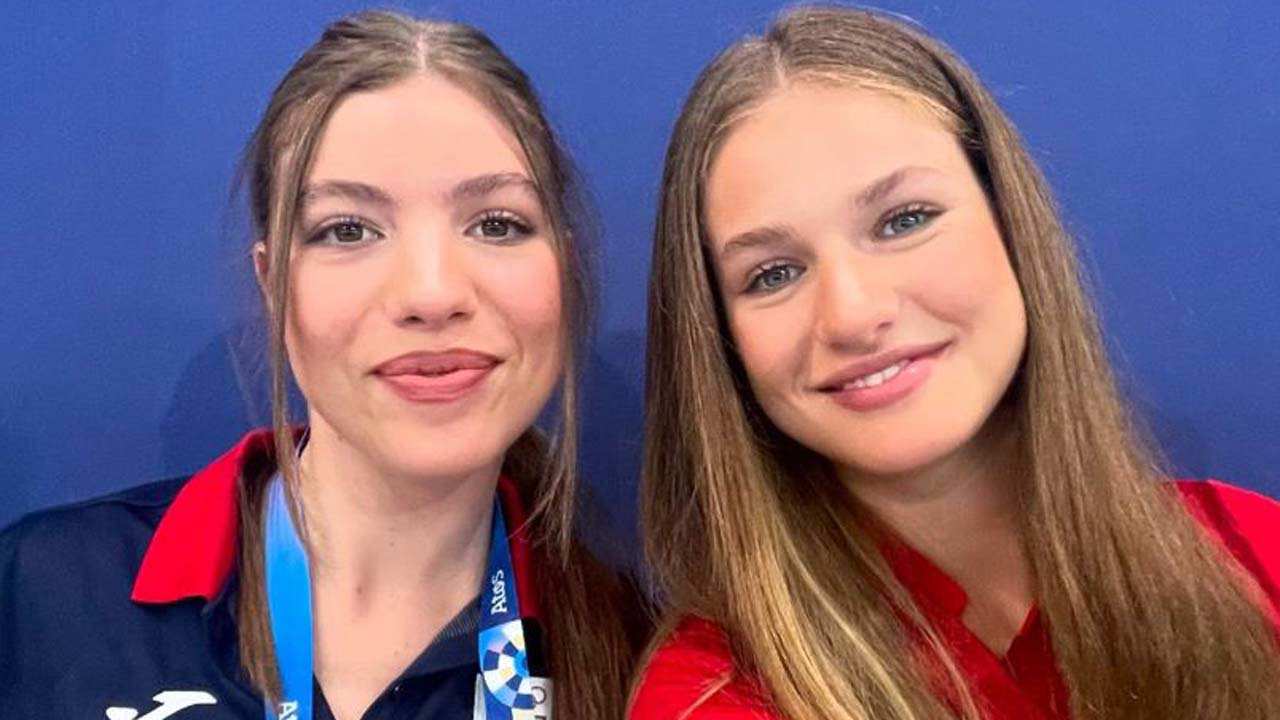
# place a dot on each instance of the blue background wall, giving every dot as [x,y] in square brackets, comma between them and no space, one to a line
[126,309]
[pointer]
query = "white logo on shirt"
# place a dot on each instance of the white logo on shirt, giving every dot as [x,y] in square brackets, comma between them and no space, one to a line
[171,702]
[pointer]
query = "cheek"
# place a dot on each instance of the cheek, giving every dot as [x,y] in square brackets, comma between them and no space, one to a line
[527,292]
[971,285]
[969,282]
[325,306]
[771,343]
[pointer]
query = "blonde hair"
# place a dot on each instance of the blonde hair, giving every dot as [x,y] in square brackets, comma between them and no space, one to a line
[589,651]
[1149,619]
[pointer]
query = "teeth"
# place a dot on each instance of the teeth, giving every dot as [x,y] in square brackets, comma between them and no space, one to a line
[879,378]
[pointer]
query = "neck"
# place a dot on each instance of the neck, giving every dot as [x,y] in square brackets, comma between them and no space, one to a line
[375,535]
[960,511]
[393,558]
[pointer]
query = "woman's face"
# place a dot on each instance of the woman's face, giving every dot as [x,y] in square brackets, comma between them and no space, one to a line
[424,323]
[866,285]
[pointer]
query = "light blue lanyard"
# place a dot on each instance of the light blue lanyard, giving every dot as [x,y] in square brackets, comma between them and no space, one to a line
[289,602]
[506,688]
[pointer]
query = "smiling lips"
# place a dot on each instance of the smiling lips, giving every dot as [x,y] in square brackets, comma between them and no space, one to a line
[436,377]
[883,380]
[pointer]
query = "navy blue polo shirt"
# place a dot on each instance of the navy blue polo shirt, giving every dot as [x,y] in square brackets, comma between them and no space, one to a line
[123,608]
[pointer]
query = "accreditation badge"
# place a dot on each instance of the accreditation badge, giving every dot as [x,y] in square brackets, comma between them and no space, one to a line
[540,688]
[506,686]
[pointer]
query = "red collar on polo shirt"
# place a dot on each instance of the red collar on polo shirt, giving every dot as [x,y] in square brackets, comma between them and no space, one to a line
[193,550]
[1024,683]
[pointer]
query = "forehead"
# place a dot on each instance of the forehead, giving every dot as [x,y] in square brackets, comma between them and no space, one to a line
[420,133]
[810,142]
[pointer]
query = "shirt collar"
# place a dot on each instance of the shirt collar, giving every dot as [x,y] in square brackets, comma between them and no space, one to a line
[929,585]
[193,550]
[519,541]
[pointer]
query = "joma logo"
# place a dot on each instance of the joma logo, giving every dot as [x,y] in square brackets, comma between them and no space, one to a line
[171,702]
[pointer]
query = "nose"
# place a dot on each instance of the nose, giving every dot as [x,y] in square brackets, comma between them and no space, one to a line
[857,303]
[429,285]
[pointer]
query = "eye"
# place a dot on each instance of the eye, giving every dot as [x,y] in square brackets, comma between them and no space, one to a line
[769,278]
[345,231]
[500,226]
[905,220]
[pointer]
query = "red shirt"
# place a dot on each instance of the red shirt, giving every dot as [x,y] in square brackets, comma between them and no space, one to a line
[694,668]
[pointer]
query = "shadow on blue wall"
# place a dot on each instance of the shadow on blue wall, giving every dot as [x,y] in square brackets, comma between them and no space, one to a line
[613,443]
[16,493]
[215,401]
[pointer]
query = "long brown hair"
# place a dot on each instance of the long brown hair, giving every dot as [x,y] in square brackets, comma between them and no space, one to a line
[590,653]
[1149,619]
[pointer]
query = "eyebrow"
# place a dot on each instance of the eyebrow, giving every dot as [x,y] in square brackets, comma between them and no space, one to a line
[482,185]
[469,189]
[772,235]
[768,236]
[881,188]
[347,189]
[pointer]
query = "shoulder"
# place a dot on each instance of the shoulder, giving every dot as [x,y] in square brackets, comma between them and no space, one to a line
[1248,503]
[65,577]
[101,534]
[691,675]
[68,622]
[56,562]
[1247,523]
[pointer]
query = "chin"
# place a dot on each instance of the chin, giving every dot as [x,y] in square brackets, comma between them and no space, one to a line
[898,455]
[888,465]
[456,462]
[416,452]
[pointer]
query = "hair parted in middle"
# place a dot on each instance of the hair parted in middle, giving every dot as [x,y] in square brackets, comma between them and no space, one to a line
[1149,619]
[586,604]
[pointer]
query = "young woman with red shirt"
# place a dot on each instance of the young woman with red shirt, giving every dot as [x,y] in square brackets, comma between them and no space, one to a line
[889,474]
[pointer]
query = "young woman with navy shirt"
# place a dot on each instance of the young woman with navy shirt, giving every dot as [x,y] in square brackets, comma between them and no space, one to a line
[889,475]
[409,551]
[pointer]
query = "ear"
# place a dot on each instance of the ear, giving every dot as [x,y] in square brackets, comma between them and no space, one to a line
[261,263]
